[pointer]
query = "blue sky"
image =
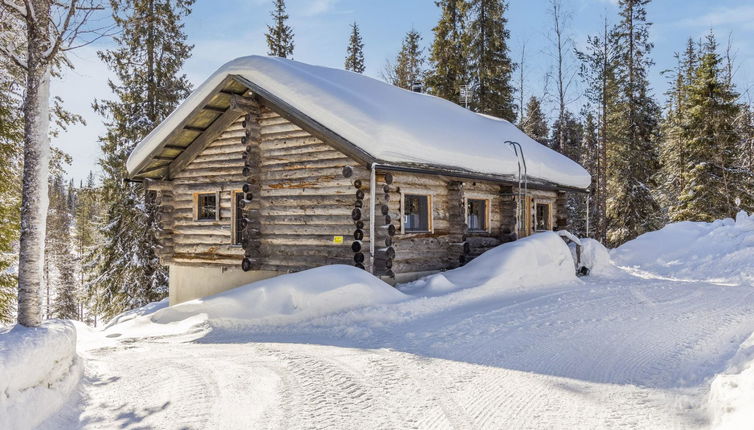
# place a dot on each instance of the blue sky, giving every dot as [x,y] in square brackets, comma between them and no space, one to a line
[225,29]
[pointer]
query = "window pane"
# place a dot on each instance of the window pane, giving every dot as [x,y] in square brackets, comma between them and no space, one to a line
[416,213]
[543,217]
[477,214]
[207,206]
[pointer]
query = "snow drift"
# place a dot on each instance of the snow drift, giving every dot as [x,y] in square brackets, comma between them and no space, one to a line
[721,251]
[389,123]
[538,260]
[39,369]
[731,393]
[289,298]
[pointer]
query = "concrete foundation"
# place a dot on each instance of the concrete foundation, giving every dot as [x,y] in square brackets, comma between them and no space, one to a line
[189,282]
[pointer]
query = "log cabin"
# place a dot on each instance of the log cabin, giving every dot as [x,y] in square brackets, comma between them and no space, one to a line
[273,166]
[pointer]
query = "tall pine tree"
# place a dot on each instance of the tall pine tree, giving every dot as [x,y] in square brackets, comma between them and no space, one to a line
[598,71]
[534,122]
[355,51]
[673,148]
[279,35]
[449,69]
[632,154]
[409,64]
[712,178]
[60,261]
[150,52]
[491,68]
[11,138]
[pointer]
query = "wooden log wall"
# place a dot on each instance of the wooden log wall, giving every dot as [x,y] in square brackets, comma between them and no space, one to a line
[508,215]
[250,205]
[297,200]
[561,211]
[165,223]
[457,227]
[385,225]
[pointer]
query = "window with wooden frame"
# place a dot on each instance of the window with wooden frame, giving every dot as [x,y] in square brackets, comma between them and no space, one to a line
[236,227]
[477,214]
[207,206]
[542,216]
[416,213]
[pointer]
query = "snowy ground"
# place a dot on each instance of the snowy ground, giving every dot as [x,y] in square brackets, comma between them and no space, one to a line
[621,349]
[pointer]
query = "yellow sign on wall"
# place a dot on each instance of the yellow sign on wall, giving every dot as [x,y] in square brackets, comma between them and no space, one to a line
[337,239]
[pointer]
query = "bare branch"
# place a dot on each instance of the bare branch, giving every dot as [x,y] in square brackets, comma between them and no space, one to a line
[14,7]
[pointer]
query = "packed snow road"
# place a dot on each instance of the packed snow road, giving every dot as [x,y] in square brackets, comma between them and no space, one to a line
[618,352]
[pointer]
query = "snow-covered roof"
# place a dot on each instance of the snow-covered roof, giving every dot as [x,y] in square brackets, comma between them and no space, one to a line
[391,124]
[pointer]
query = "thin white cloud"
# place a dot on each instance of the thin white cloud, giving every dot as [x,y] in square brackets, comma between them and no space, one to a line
[722,16]
[318,7]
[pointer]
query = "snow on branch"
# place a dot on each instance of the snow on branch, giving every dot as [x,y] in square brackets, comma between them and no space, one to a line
[13,6]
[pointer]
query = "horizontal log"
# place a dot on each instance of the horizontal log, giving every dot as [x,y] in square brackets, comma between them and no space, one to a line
[307,250]
[226,250]
[268,136]
[313,181]
[199,229]
[304,163]
[220,236]
[233,170]
[313,149]
[345,229]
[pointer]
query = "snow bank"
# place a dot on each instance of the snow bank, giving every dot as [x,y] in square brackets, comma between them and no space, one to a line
[596,258]
[538,260]
[391,124]
[39,369]
[289,298]
[721,251]
[731,396]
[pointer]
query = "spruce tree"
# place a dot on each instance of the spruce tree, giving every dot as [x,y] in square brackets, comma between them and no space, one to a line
[712,179]
[570,133]
[409,64]
[279,35]
[355,51]
[673,148]
[11,138]
[147,60]
[491,68]
[599,62]
[589,158]
[534,122]
[632,153]
[449,68]
[87,216]
[60,261]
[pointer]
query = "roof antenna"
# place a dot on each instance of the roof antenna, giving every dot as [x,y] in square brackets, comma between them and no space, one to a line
[521,160]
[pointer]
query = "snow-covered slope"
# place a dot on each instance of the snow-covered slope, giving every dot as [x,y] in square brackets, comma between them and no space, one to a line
[391,124]
[39,370]
[731,397]
[720,251]
[289,298]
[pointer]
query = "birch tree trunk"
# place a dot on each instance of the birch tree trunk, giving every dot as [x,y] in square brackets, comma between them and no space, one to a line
[34,200]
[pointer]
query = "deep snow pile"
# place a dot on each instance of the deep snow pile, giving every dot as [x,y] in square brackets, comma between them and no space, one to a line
[721,251]
[344,297]
[289,298]
[389,123]
[538,260]
[731,397]
[39,369]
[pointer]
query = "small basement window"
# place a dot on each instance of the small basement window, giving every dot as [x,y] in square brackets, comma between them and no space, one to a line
[476,214]
[416,213]
[206,207]
[542,220]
